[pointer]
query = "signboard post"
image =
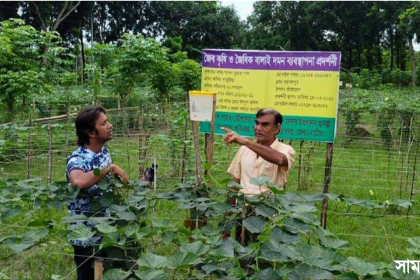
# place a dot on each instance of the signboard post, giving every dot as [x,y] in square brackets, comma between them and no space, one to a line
[302,86]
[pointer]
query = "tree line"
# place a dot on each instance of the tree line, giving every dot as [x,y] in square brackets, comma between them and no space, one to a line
[370,34]
[82,37]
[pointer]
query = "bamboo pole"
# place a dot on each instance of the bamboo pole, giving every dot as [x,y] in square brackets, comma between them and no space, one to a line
[62,117]
[327,181]
[141,145]
[199,180]
[50,149]
[300,165]
[29,152]
[414,165]
[210,139]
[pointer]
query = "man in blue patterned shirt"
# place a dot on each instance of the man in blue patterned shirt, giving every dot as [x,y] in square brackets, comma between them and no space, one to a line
[93,130]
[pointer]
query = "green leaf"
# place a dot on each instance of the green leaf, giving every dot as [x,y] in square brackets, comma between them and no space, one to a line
[222,252]
[279,235]
[169,236]
[144,231]
[234,185]
[209,268]
[268,274]
[273,252]
[295,226]
[307,218]
[103,184]
[130,230]
[74,218]
[128,216]
[260,181]
[262,210]
[275,190]
[96,172]
[319,256]
[116,274]
[81,233]
[255,224]
[334,243]
[180,260]
[118,208]
[303,208]
[196,248]
[307,272]
[359,266]
[105,228]
[221,207]
[150,260]
[105,243]
[23,242]
[162,224]
[151,274]
[8,213]
[403,203]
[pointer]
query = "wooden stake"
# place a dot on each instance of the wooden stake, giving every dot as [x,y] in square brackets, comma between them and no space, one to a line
[327,180]
[210,139]
[142,143]
[197,154]
[300,165]
[99,268]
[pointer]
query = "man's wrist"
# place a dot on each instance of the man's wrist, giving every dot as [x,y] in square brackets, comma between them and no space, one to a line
[106,170]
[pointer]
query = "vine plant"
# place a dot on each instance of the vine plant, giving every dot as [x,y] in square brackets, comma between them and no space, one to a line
[291,243]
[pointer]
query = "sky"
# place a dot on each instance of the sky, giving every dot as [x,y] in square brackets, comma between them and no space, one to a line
[244,8]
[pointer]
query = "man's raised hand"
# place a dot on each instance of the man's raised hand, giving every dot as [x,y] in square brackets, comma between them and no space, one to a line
[232,137]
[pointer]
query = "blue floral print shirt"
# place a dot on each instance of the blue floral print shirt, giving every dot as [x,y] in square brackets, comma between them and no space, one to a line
[86,160]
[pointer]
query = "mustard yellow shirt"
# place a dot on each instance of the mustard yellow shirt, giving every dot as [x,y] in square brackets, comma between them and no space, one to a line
[246,165]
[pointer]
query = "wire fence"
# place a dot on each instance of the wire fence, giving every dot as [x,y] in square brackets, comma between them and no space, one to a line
[370,161]
[363,156]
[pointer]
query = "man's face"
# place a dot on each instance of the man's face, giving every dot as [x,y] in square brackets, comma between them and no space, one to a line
[103,129]
[265,129]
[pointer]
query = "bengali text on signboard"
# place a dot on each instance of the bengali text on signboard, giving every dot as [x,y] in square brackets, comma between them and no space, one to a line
[302,86]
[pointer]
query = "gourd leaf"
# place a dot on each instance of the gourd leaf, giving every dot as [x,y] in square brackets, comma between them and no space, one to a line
[116,274]
[196,248]
[254,224]
[151,260]
[151,274]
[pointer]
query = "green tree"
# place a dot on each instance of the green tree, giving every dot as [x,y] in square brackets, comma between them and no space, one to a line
[410,24]
[200,24]
[47,16]
[136,56]
[21,75]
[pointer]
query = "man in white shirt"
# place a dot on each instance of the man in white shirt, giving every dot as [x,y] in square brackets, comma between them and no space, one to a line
[264,157]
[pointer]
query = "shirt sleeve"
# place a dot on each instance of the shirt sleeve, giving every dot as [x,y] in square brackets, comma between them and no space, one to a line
[235,166]
[74,163]
[290,155]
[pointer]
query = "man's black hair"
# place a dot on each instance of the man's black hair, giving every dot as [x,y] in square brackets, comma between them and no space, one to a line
[278,118]
[85,123]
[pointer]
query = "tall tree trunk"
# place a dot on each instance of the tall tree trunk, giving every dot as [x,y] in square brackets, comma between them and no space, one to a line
[391,43]
[82,49]
[68,8]
[378,54]
[413,61]
[369,58]
[403,55]
[350,61]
